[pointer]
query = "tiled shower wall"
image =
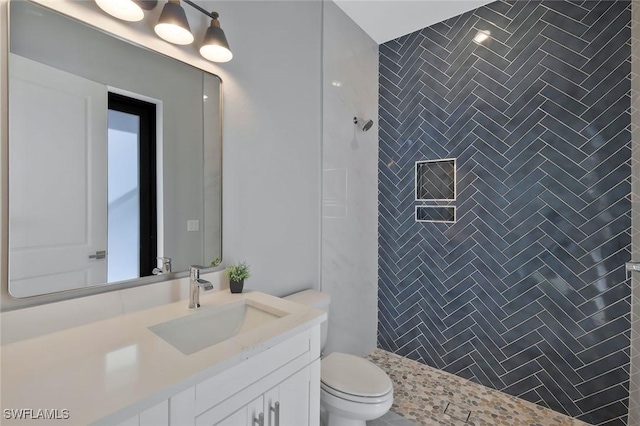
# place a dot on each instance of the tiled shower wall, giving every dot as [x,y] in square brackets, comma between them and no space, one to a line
[526,292]
[349,187]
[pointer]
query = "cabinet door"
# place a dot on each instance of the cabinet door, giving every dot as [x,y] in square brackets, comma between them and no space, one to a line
[239,418]
[133,421]
[158,415]
[292,398]
[249,415]
[272,407]
[255,413]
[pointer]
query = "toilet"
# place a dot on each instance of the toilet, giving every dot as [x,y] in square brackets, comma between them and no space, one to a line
[352,389]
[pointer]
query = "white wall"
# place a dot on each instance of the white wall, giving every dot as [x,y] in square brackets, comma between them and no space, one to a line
[350,184]
[272,128]
[272,134]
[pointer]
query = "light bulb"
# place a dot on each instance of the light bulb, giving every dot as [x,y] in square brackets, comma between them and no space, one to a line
[216,53]
[173,25]
[127,10]
[174,34]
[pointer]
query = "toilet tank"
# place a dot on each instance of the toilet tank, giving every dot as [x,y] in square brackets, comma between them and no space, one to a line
[317,300]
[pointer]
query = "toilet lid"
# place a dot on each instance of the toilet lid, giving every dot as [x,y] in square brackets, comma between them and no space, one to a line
[354,375]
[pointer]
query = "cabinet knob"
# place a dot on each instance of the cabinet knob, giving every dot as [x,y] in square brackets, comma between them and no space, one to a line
[259,420]
[276,411]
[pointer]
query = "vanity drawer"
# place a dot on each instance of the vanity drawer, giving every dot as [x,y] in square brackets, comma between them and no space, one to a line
[222,386]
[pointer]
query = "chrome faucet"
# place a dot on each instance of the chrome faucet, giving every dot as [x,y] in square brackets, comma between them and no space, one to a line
[195,284]
[166,266]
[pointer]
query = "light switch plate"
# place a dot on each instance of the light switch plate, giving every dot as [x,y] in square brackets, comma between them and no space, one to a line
[193,225]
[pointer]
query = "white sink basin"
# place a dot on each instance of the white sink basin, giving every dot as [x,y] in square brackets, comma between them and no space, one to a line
[210,326]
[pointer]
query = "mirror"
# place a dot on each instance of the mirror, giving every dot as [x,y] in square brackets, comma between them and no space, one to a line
[115,158]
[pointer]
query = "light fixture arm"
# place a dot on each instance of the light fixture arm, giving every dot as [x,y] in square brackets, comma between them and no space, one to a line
[212,15]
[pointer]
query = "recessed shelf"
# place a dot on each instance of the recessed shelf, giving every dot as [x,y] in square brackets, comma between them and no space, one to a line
[435,214]
[435,180]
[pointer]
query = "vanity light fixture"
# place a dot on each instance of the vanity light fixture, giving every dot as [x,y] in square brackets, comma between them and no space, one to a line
[215,46]
[173,25]
[127,10]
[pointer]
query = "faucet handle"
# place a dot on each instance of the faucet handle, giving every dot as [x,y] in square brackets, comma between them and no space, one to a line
[166,264]
[194,272]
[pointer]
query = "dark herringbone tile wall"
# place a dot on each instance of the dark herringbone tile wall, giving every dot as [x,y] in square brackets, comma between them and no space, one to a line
[527,292]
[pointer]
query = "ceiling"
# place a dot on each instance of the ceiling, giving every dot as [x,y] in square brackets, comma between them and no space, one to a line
[386,20]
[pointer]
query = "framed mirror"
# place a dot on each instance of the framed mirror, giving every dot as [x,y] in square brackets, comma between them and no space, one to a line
[115,158]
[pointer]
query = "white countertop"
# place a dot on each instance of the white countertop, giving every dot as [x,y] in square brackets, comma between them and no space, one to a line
[119,366]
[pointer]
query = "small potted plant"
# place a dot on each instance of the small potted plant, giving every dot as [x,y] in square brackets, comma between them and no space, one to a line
[237,274]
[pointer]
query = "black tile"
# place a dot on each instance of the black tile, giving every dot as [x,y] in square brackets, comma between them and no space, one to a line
[604,267]
[598,69]
[489,79]
[550,400]
[602,29]
[607,249]
[526,326]
[611,290]
[620,73]
[612,328]
[525,105]
[556,236]
[564,84]
[566,101]
[560,12]
[603,365]
[552,356]
[604,396]
[526,292]
[561,389]
[522,386]
[487,365]
[490,15]
[605,381]
[558,33]
[604,348]
[566,354]
[618,91]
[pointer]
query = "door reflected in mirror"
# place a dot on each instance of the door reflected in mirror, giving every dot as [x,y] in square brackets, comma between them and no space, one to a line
[114,158]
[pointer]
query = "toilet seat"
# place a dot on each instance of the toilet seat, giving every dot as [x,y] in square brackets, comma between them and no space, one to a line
[355,379]
[356,398]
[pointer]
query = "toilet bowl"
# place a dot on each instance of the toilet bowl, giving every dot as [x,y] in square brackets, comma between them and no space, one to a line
[352,389]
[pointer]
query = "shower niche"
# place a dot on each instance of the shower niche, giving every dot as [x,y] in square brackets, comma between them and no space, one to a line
[435,188]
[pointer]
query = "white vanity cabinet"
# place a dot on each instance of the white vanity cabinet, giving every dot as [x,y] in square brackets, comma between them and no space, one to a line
[277,387]
[158,415]
[269,367]
[288,403]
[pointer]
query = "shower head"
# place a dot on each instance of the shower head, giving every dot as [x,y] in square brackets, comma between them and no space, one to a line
[363,124]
